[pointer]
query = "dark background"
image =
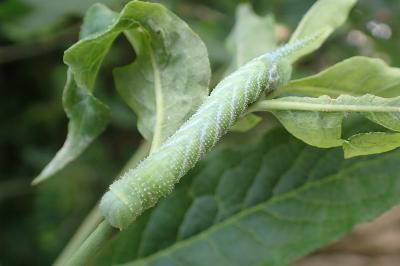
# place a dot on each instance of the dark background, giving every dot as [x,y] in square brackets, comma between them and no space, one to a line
[36,222]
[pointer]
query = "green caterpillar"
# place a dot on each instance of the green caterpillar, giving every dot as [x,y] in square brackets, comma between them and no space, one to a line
[155,177]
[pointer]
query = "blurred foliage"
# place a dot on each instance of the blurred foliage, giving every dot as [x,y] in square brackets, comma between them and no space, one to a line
[38,221]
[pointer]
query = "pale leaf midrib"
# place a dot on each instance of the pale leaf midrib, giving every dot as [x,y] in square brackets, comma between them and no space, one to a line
[270,105]
[157,136]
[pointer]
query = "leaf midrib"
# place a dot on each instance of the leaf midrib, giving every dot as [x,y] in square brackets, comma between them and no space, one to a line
[271,105]
[157,137]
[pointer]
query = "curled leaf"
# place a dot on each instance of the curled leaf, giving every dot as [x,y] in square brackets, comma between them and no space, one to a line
[164,86]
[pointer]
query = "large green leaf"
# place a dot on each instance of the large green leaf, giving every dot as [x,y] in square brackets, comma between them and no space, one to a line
[355,76]
[164,90]
[325,15]
[268,204]
[318,121]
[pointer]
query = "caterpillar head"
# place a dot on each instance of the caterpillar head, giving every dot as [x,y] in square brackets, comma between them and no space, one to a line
[120,208]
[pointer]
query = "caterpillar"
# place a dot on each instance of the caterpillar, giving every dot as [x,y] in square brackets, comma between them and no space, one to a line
[140,188]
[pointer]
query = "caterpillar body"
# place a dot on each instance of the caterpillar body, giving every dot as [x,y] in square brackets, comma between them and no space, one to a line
[140,188]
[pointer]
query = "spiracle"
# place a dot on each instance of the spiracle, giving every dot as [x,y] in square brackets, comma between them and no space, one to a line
[140,188]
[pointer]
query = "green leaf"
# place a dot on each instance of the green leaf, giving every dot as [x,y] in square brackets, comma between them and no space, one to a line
[162,97]
[97,19]
[268,204]
[250,37]
[324,16]
[355,76]
[87,116]
[318,121]
[167,89]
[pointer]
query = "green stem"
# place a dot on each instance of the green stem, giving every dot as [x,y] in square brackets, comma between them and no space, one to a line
[103,233]
[92,244]
[94,218]
[89,224]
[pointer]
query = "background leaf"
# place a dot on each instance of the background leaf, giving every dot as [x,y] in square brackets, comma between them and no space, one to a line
[44,15]
[250,37]
[266,204]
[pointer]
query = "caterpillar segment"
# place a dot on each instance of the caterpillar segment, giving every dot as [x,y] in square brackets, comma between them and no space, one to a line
[140,188]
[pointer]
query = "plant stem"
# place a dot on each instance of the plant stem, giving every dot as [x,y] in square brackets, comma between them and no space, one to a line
[93,244]
[89,224]
[94,218]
